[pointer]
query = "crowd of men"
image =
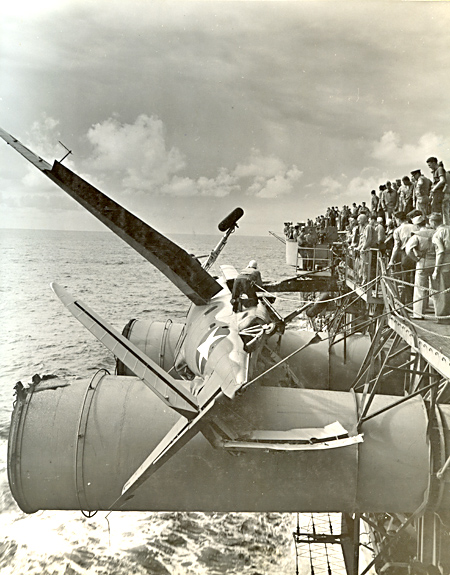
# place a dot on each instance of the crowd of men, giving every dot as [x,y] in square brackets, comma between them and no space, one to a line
[408,221]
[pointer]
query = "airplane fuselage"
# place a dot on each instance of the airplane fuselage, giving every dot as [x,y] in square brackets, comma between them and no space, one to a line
[215,352]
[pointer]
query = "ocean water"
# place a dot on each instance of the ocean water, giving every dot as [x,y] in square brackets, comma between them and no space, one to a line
[38,335]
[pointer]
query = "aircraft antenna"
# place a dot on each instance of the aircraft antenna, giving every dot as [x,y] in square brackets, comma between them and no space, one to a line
[68,152]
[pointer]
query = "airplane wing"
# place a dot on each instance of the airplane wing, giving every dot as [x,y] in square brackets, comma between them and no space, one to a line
[184,271]
[168,389]
[182,432]
[229,272]
[25,152]
[331,436]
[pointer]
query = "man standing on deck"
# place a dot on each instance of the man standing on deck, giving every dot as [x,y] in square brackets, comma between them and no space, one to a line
[422,187]
[363,209]
[381,211]
[389,200]
[374,201]
[440,279]
[245,287]
[407,266]
[405,195]
[380,235]
[366,242]
[420,249]
[439,183]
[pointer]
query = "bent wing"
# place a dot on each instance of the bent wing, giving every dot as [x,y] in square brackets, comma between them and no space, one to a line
[182,432]
[183,270]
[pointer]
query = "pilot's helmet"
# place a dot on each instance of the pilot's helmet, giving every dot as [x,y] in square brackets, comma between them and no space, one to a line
[252,264]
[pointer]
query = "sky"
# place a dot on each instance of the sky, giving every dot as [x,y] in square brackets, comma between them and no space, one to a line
[183,110]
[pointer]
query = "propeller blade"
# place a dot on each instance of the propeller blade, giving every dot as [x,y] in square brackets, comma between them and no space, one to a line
[184,271]
[168,389]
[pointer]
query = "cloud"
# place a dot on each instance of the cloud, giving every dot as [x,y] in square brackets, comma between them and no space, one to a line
[134,158]
[278,185]
[43,139]
[44,136]
[138,156]
[8,201]
[330,185]
[391,149]
[259,166]
[138,151]
[34,189]
[356,189]
[359,188]
[223,185]
[269,176]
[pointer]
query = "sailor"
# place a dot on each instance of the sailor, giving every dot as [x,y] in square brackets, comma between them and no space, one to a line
[439,184]
[422,187]
[366,242]
[380,234]
[407,266]
[420,249]
[389,199]
[245,287]
[440,278]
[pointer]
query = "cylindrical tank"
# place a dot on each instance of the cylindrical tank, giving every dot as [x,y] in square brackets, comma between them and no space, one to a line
[157,339]
[74,447]
[320,367]
[345,358]
[291,252]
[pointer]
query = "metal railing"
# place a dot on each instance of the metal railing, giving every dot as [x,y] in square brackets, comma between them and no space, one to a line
[313,259]
[362,268]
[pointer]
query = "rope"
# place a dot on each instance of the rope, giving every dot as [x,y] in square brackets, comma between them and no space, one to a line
[368,285]
[387,313]
[431,291]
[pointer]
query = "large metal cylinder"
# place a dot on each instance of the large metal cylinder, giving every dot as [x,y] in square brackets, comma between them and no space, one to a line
[74,447]
[319,366]
[345,359]
[157,339]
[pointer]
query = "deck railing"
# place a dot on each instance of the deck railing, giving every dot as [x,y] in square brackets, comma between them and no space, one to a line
[363,270]
[308,259]
[359,270]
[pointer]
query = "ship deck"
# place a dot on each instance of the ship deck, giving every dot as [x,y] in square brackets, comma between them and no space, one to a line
[429,338]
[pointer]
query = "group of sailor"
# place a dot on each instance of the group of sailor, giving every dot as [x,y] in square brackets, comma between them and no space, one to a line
[409,223]
[417,251]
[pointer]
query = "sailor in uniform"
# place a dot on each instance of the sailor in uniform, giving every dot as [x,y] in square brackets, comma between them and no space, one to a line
[245,287]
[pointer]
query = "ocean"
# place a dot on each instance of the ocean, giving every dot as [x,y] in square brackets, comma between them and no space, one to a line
[38,335]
